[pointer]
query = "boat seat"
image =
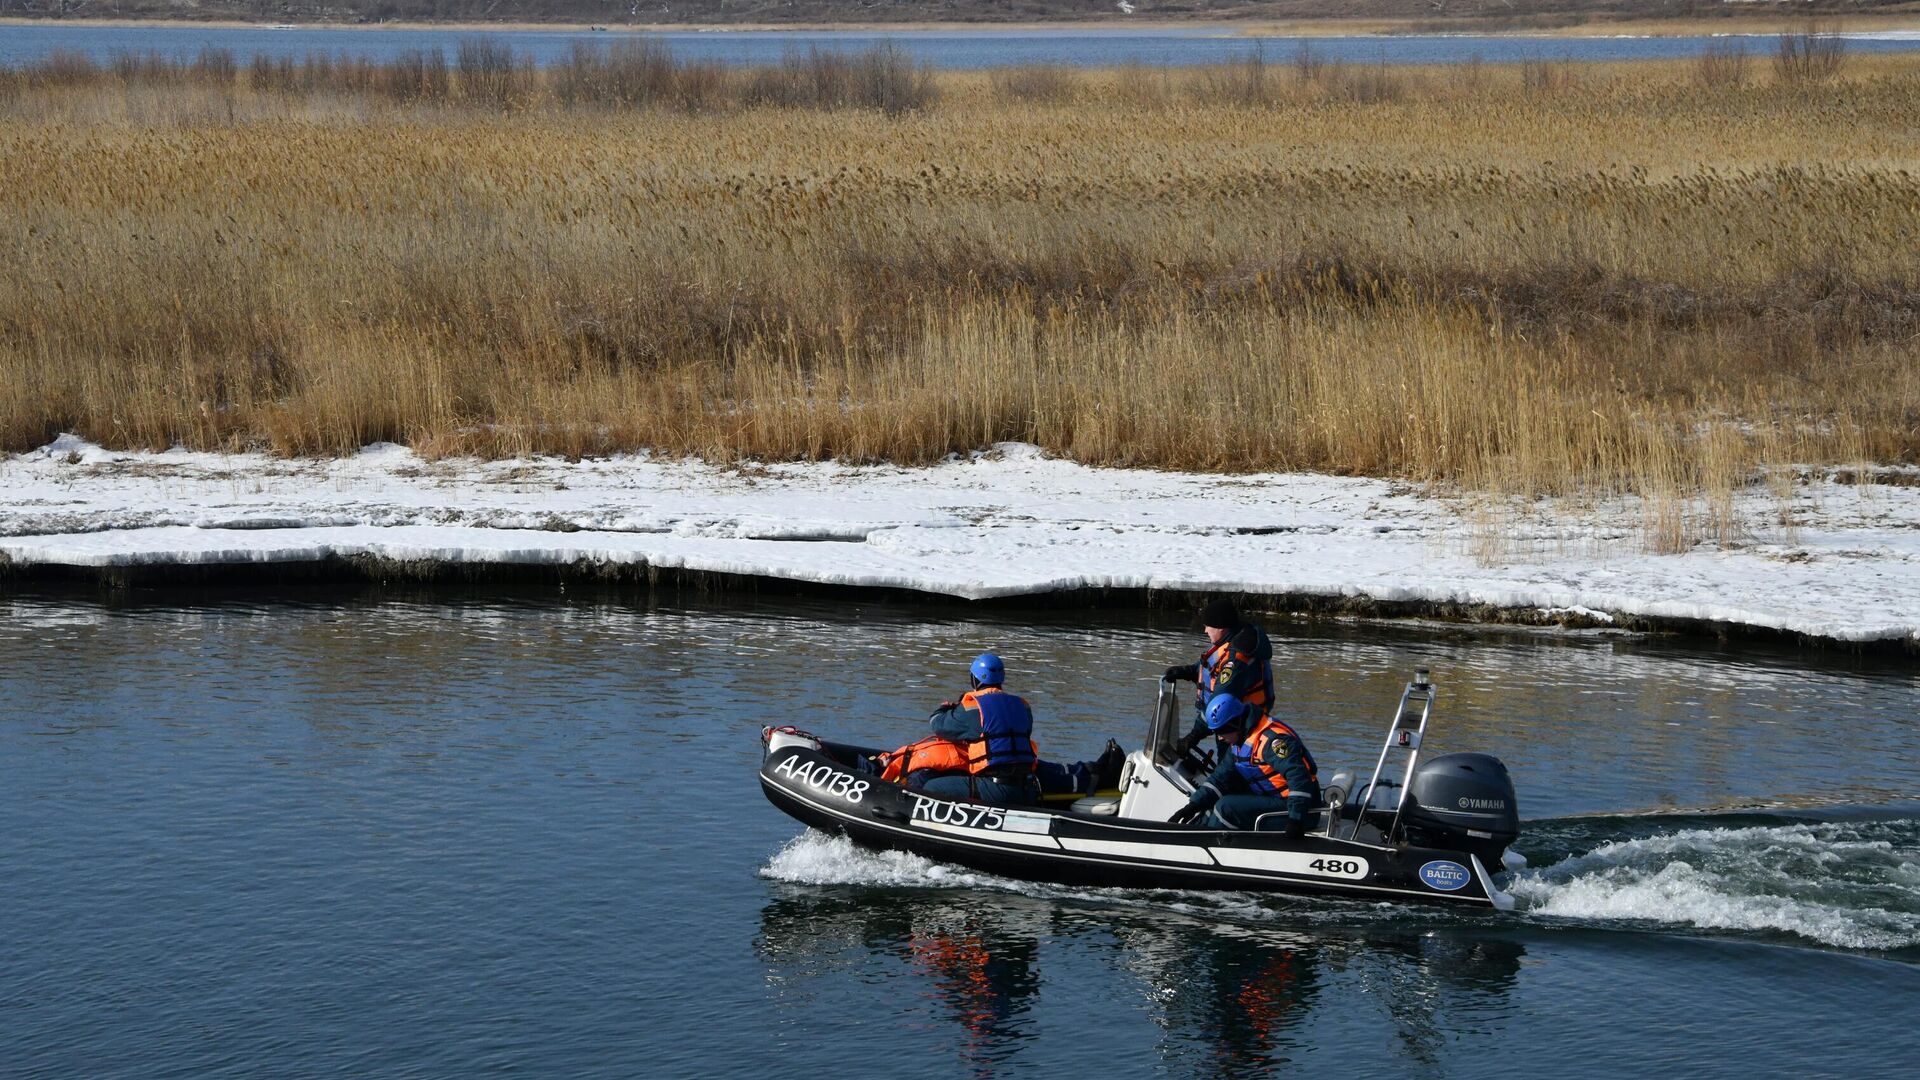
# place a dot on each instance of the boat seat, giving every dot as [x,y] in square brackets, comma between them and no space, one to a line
[1098,805]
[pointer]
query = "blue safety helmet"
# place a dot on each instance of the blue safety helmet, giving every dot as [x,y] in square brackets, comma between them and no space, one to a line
[988,670]
[1225,711]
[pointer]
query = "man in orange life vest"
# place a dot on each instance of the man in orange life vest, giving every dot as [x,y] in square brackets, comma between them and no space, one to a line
[982,749]
[1266,769]
[1238,660]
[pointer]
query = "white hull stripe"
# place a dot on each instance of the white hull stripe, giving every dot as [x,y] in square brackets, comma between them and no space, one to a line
[1163,852]
[1295,862]
[1001,835]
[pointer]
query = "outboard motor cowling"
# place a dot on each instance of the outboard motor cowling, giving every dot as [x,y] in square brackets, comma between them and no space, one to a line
[1463,801]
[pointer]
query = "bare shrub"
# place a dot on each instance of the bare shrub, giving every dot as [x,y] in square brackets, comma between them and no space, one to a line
[883,77]
[1140,85]
[1545,78]
[271,74]
[636,74]
[701,86]
[214,67]
[888,80]
[1247,82]
[813,78]
[1721,65]
[491,76]
[1376,84]
[324,73]
[630,73]
[1308,66]
[1813,55]
[1471,77]
[144,69]
[64,67]
[316,74]
[418,76]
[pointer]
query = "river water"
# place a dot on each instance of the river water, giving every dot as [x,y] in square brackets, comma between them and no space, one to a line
[444,835]
[953,49]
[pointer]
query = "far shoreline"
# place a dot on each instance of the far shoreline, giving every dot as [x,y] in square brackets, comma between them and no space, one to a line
[1754,24]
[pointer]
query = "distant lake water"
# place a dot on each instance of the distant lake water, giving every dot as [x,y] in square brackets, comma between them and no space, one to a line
[951,49]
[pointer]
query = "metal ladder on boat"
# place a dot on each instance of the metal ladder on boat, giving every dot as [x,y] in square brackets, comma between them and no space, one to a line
[1403,735]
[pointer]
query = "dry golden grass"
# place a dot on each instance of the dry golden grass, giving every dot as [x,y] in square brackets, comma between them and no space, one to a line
[1526,280]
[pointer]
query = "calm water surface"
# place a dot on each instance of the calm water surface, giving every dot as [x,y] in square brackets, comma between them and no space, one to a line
[438,838]
[957,49]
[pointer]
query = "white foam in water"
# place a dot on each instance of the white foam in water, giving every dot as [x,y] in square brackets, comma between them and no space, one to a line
[1822,882]
[1829,883]
[814,858]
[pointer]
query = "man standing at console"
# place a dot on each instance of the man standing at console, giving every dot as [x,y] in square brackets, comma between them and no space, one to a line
[1238,661]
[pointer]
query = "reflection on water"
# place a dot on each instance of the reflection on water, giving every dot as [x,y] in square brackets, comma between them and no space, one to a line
[973,961]
[1226,998]
[1233,1001]
[457,834]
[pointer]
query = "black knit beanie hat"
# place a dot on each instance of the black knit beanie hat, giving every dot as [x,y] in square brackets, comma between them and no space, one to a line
[1220,613]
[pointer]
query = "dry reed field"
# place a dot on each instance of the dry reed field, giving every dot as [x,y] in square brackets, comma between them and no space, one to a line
[1670,278]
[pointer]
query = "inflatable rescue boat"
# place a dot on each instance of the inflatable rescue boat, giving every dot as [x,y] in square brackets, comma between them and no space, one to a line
[1434,831]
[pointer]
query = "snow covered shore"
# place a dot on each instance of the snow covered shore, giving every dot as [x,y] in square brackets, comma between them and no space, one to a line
[1005,524]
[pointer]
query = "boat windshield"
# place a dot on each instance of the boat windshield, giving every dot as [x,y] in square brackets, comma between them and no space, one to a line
[1165,729]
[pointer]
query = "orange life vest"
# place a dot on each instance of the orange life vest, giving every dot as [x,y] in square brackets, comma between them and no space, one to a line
[1250,757]
[1212,679]
[932,752]
[1006,741]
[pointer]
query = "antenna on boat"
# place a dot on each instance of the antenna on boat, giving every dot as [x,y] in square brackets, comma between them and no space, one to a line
[1404,734]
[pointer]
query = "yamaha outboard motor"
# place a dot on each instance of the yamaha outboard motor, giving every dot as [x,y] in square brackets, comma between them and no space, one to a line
[1465,802]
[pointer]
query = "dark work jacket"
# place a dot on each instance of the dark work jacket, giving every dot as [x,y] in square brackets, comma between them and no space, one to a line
[1286,756]
[1249,661]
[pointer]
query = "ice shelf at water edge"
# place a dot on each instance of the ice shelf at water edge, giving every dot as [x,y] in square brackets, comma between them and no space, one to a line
[1006,523]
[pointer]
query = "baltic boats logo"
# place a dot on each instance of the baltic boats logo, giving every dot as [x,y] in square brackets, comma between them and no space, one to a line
[1444,875]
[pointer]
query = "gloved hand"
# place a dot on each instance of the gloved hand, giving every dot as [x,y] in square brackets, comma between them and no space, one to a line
[1187,813]
[946,705]
[1184,744]
[1180,673]
[1297,817]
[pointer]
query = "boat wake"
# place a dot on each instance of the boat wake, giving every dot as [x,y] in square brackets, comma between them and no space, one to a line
[814,858]
[1852,884]
[1846,884]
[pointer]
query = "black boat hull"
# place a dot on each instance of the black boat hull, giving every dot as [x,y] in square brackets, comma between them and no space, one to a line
[1059,846]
